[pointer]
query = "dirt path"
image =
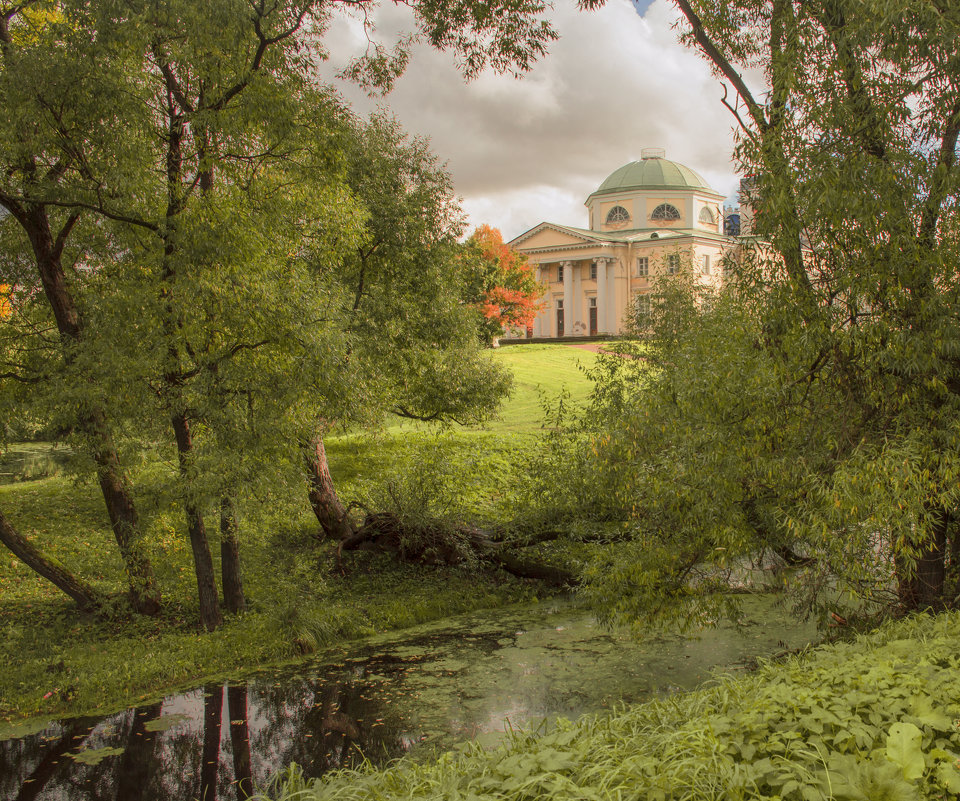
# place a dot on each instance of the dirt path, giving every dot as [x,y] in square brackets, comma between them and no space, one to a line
[593,347]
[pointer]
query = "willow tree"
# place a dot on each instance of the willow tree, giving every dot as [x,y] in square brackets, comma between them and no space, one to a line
[848,131]
[222,232]
[411,339]
[58,108]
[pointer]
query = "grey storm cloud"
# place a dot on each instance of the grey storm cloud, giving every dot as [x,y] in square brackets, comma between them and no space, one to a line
[526,150]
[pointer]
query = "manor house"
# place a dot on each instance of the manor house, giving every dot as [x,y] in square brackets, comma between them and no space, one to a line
[650,217]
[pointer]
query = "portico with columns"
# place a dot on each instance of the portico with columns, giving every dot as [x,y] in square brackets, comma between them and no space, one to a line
[649,218]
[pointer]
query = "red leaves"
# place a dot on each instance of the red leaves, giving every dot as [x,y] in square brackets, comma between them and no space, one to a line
[509,295]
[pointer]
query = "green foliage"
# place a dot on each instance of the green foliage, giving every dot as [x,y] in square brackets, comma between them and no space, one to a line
[870,720]
[854,276]
[255,264]
[298,600]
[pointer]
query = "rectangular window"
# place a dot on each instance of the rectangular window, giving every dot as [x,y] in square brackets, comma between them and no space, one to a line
[560,304]
[593,303]
[706,265]
[643,266]
[593,271]
[560,272]
[673,264]
[642,305]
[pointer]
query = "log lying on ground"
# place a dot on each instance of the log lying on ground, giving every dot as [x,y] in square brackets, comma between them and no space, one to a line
[434,542]
[86,597]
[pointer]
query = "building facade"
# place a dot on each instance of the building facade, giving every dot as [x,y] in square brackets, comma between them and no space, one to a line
[649,218]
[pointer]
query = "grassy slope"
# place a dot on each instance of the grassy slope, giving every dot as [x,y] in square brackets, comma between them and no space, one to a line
[874,720]
[540,371]
[57,661]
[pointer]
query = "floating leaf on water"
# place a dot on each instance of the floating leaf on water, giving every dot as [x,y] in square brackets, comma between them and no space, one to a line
[93,756]
[165,722]
[14,731]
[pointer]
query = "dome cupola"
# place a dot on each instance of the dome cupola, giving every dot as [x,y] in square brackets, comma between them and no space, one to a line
[653,171]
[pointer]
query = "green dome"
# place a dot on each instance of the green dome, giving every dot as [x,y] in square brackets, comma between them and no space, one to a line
[652,173]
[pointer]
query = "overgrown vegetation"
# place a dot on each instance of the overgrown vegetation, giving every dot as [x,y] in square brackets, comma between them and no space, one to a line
[873,720]
[58,662]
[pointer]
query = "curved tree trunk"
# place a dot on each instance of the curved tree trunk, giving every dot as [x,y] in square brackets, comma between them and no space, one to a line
[48,250]
[52,570]
[324,500]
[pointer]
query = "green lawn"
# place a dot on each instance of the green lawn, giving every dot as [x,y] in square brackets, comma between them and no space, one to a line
[57,661]
[540,372]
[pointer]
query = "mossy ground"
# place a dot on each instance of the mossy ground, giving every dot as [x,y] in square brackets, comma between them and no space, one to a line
[58,662]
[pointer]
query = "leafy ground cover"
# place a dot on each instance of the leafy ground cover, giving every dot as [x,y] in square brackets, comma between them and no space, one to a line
[870,720]
[57,661]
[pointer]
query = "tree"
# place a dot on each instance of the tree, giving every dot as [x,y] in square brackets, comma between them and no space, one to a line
[45,72]
[411,343]
[849,298]
[501,283]
[205,172]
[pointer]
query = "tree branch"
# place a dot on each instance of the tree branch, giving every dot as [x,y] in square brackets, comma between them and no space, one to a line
[722,64]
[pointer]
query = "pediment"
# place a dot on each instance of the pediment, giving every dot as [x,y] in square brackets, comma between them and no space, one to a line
[547,235]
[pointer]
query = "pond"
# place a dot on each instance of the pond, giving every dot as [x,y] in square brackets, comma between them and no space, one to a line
[418,692]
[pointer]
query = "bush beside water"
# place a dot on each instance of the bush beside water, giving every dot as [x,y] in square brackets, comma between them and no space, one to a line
[872,720]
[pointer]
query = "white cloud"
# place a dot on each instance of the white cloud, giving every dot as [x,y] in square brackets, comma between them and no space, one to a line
[524,151]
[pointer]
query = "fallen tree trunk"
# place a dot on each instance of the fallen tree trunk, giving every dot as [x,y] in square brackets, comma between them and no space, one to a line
[87,597]
[434,542]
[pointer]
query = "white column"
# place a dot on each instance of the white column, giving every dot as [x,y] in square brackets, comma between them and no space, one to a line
[567,298]
[577,297]
[612,311]
[602,295]
[536,320]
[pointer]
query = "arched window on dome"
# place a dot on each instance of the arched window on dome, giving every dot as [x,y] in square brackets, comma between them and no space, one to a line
[665,212]
[617,216]
[706,216]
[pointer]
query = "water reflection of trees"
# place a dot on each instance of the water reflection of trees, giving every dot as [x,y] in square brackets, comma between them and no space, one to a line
[320,724]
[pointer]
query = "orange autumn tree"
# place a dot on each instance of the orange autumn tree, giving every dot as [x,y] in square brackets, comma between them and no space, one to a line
[501,283]
[5,307]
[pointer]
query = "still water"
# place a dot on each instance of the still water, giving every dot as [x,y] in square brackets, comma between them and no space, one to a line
[419,691]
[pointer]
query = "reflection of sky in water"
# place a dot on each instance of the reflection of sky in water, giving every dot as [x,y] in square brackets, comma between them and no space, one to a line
[422,690]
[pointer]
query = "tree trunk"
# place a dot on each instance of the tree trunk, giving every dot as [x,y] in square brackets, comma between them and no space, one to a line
[438,544]
[923,586]
[210,758]
[240,740]
[143,591]
[326,504]
[133,773]
[73,735]
[81,592]
[524,568]
[210,615]
[233,598]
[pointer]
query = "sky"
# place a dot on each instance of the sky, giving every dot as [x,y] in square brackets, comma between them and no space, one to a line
[531,150]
